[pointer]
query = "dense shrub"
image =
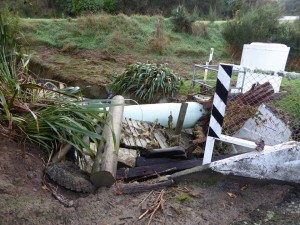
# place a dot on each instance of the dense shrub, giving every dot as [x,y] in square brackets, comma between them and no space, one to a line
[259,24]
[77,7]
[147,82]
[182,20]
[110,6]
[289,34]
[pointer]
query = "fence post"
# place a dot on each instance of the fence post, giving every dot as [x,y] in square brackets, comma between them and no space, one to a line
[218,109]
[208,63]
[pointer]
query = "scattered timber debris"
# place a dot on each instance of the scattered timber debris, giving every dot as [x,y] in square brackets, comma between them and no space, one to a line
[165,167]
[158,204]
[144,137]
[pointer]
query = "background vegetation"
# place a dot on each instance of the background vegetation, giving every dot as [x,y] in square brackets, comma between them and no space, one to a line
[200,8]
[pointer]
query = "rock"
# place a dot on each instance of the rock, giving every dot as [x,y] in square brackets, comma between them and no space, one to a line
[127,156]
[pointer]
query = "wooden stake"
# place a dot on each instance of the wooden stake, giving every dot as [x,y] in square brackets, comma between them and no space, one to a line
[181,117]
[105,175]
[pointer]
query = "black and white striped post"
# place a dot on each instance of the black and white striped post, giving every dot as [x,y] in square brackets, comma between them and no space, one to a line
[218,109]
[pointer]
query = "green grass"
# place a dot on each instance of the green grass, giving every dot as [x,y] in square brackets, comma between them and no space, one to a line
[290,101]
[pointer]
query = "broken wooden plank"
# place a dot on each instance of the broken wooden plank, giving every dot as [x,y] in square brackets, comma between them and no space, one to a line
[165,152]
[126,134]
[144,161]
[162,141]
[125,141]
[138,129]
[134,133]
[143,171]
[158,168]
[144,128]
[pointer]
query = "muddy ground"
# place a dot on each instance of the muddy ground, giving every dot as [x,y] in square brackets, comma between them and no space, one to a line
[26,198]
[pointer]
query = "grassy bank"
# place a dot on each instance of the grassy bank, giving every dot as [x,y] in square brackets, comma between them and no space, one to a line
[94,48]
[120,33]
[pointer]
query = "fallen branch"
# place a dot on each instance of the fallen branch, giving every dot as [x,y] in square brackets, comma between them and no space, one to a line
[57,196]
[63,200]
[159,205]
[145,198]
[137,188]
[154,175]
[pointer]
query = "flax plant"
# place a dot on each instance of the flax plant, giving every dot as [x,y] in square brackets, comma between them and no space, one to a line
[147,82]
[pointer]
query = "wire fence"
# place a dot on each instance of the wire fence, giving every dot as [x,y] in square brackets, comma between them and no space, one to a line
[262,106]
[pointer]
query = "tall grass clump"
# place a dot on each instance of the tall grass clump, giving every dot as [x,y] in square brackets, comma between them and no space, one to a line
[160,42]
[147,82]
[212,14]
[200,29]
[37,113]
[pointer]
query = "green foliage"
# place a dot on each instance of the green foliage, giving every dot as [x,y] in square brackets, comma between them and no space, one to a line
[110,6]
[258,24]
[63,122]
[147,82]
[77,7]
[236,8]
[10,51]
[182,20]
[289,34]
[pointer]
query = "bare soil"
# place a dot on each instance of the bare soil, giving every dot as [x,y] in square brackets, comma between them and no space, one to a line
[25,199]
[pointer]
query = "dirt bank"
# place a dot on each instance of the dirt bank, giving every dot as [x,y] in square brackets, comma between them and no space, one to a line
[24,199]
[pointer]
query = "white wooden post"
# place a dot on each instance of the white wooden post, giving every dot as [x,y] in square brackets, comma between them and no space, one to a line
[209,62]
